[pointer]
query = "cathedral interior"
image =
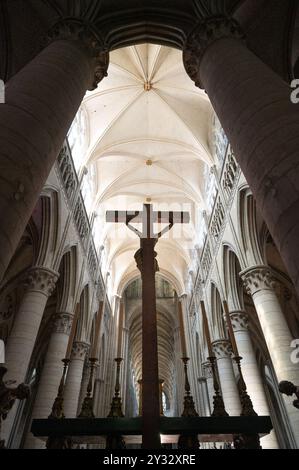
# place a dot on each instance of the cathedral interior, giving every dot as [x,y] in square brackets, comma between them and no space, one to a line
[149,235]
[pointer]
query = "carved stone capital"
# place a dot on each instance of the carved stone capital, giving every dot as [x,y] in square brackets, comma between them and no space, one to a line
[204,35]
[207,370]
[63,323]
[76,30]
[222,348]
[41,280]
[239,320]
[79,350]
[258,278]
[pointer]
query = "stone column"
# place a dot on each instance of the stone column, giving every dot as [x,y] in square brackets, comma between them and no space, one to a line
[230,394]
[251,373]
[51,373]
[204,396]
[41,102]
[84,384]
[262,124]
[74,379]
[39,284]
[259,283]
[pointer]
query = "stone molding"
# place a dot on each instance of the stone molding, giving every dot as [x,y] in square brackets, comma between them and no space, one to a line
[239,320]
[205,34]
[76,30]
[258,278]
[41,279]
[63,323]
[222,348]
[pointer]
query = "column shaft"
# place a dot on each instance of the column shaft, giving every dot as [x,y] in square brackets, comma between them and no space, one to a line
[41,103]
[262,124]
[227,377]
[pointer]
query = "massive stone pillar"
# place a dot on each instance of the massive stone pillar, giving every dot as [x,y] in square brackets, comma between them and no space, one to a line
[204,396]
[208,374]
[251,373]
[230,394]
[39,284]
[41,102]
[262,124]
[51,373]
[259,283]
[84,385]
[74,379]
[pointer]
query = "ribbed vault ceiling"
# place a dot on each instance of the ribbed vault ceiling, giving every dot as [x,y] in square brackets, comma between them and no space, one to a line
[149,133]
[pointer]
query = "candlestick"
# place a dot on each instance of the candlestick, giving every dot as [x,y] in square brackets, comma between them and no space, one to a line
[230,329]
[182,330]
[120,329]
[206,328]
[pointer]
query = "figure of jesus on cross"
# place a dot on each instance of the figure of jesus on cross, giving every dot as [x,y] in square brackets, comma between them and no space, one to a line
[147,264]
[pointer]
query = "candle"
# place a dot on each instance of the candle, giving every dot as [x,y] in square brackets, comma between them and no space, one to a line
[206,328]
[230,329]
[72,333]
[182,330]
[97,328]
[120,329]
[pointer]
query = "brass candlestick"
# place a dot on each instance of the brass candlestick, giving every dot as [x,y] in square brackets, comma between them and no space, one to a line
[186,440]
[57,408]
[116,405]
[218,403]
[116,441]
[246,403]
[87,405]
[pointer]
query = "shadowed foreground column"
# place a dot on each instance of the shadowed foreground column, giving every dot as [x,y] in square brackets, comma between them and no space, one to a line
[262,124]
[41,102]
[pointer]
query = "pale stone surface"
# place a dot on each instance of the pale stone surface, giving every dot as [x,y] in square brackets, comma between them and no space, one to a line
[251,373]
[51,374]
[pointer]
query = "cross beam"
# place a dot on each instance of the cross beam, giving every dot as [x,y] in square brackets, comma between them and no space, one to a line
[146,262]
[148,217]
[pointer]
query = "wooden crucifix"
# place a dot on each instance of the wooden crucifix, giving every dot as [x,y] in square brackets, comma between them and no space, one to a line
[147,264]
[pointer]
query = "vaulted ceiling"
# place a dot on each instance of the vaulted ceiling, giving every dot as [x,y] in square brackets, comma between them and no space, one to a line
[149,134]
